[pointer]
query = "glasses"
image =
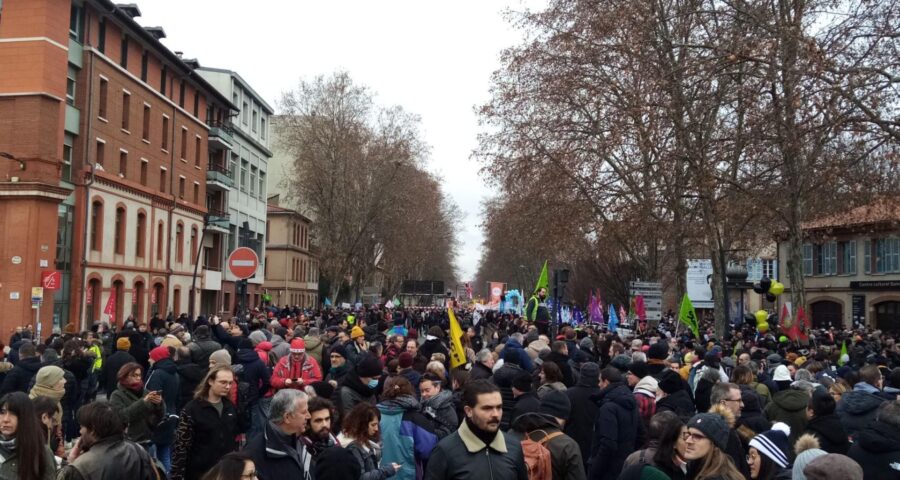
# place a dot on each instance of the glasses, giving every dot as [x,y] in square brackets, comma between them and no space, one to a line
[696,437]
[752,457]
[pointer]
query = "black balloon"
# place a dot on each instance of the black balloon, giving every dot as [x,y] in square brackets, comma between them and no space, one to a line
[749,318]
[758,288]
[765,283]
[771,298]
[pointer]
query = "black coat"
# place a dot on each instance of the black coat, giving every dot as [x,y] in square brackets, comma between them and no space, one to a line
[163,377]
[189,376]
[20,376]
[480,372]
[277,456]
[109,372]
[830,432]
[583,407]
[877,449]
[255,373]
[526,403]
[616,430]
[503,379]
[203,437]
[434,346]
[562,362]
[678,402]
[451,459]
[857,410]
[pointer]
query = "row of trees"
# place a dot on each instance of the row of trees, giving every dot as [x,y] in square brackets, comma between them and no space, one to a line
[626,137]
[360,172]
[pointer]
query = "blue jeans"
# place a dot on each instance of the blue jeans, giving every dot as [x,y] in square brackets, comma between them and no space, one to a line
[163,453]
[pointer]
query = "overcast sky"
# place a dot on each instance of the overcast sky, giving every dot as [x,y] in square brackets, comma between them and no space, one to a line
[433,58]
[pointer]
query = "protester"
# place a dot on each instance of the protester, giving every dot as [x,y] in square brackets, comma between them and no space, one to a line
[278,452]
[318,436]
[545,428]
[139,409]
[857,408]
[769,454]
[360,437]
[23,453]
[616,428]
[551,379]
[583,407]
[409,437]
[526,400]
[482,369]
[359,384]
[825,425]
[233,466]
[706,439]
[19,377]
[437,405]
[109,373]
[671,396]
[877,447]
[163,379]
[665,451]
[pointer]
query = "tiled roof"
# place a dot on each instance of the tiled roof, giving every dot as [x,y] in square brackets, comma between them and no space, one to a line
[886,210]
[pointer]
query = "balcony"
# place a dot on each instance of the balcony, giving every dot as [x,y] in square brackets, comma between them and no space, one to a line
[218,221]
[220,135]
[218,177]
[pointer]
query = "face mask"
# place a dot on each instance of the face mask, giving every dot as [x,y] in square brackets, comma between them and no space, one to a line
[373,383]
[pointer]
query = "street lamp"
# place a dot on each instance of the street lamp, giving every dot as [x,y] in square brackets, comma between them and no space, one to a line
[193,294]
[14,158]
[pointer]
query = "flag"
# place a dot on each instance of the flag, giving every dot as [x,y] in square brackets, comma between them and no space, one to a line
[801,324]
[613,319]
[622,315]
[457,353]
[543,281]
[595,309]
[111,305]
[640,308]
[688,316]
[792,332]
[577,315]
[843,352]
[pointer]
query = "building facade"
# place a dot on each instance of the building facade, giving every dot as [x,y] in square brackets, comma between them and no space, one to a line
[292,270]
[851,267]
[134,150]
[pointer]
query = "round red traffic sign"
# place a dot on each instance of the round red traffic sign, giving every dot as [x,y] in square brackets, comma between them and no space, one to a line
[243,262]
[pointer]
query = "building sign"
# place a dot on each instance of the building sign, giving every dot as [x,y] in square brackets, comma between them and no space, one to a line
[876,285]
[858,311]
[699,274]
[652,293]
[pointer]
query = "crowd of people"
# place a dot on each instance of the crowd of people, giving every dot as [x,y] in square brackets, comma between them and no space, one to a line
[371,394]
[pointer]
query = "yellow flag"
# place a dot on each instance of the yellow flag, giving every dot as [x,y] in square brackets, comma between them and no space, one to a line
[457,353]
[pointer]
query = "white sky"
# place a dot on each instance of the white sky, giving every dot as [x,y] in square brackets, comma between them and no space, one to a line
[433,58]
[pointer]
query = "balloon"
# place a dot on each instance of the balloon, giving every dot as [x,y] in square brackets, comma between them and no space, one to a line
[770,297]
[762,327]
[749,318]
[758,288]
[761,316]
[765,283]
[782,339]
[777,288]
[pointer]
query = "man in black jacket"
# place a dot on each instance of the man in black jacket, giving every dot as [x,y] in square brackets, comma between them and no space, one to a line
[18,378]
[583,407]
[616,427]
[877,447]
[203,346]
[483,367]
[278,452]
[559,354]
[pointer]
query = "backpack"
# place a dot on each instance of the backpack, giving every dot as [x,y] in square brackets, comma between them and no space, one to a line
[537,457]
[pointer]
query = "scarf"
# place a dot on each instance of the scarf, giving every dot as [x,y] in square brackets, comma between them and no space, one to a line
[7,446]
[483,435]
[52,393]
[136,387]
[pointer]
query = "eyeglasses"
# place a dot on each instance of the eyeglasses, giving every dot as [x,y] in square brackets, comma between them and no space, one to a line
[752,457]
[696,437]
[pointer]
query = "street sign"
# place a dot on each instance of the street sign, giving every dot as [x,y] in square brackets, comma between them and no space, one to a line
[243,262]
[652,293]
[51,279]
[37,293]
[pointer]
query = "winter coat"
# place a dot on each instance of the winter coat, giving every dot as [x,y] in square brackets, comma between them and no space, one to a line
[678,402]
[203,438]
[550,387]
[9,467]
[514,347]
[789,406]
[503,378]
[278,456]
[480,372]
[583,407]
[163,377]
[255,373]
[409,437]
[462,455]
[109,372]
[857,409]
[369,457]
[616,430]
[413,376]
[287,368]
[877,450]
[353,392]
[313,347]
[201,348]
[830,432]
[139,416]
[282,348]
[752,415]
[528,402]
[440,410]
[565,456]
[20,376]
[189,377]
[111,458]
[562,361]
[434,346]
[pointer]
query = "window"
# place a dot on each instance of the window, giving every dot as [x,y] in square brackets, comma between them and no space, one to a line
[181,188]
[76,24]
[807,259]
[262,185]
[184,135]
[165,133]
[104,87]
[244,113]
[145,134]
[255,120]
[119,242]
[97,226]
[123,61]
[848,257]
[71,85]
[244,166]
[141,236]
[144,167]
[68,148]
[193,245]
[181,94]
[145,60]
[867,256]
[196,103]
[101,152]
[126,110]
[198,143]
[253,177]
[160,239]
[101,38]
[262,127]
[887,255]
[829,258]
[179,243]
[162,179]
[768,268]
[123,164]
[233,167]
[163,79]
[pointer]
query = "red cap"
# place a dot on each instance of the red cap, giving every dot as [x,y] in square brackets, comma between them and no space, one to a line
[298,345]
[159,353]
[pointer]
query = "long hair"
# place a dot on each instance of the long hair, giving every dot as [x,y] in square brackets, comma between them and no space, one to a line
[356,423]
[230,467]
[202,391]
[30,445]
[669,427]
[717,464]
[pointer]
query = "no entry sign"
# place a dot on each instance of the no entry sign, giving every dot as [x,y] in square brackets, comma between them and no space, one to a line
[243,262]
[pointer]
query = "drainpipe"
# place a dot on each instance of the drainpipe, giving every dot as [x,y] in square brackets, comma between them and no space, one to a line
[87,184]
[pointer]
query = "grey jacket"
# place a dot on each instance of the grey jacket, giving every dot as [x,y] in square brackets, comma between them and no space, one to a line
[368,459]
[441,410]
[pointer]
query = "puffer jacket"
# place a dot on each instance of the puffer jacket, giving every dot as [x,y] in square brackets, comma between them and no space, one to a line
[163,377]
[830,432]
[616,430]
[314,347]
[409,437]
[789,406]
[369,457]
[503,379]
[463,455]
[877,450]
[857,409]
[440,410]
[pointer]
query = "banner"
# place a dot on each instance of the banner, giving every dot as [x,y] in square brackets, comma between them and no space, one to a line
[496,291]
[134,296]
[699,273]
[613,319]
[543,280]
[89,295]
[111,306]
[457,353]
[688,316]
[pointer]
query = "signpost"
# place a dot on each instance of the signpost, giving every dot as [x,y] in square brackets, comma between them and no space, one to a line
[242,263]
[652,293]
[37,296]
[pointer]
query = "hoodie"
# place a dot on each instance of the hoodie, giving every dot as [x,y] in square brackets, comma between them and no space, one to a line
[314,347]
[877,450]
[254,372]
[408,436]
[857,408]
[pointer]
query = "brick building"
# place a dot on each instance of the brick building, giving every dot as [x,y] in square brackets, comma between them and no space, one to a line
[291,266]
[122,123]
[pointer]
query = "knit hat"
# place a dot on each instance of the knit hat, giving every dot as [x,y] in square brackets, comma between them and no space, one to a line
[337,463]
[339,349]
[357,332]
[257,336]
[159,353]
[49,376]
[670,382]
[638,369]
[621,362]
[782,374]
[244,343]
[298,345]
[774,444]
[774,359]
[436,332]
[123,343]
[807,448]
[713,426]
[586,344]
[590,373]
[220,357]
[522,382]
[833,466]
[556,403]
[405,360]
[368,366]
[171,341]
[658,351]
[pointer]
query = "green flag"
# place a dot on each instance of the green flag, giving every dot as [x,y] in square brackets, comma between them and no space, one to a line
[542,280]
[843,352]
[688,316]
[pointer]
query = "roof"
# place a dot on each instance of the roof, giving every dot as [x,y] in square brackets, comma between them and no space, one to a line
[276,210]
[245,85]
[882,211]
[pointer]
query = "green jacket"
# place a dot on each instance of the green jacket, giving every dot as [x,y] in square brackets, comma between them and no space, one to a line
[139,416]
[10,467]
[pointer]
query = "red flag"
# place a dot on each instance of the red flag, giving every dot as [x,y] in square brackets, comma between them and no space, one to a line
[111,305]
[640,308]
[802,324]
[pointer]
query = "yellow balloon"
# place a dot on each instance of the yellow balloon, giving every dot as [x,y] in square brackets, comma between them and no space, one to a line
[777,288]
[761,316]
[762,327]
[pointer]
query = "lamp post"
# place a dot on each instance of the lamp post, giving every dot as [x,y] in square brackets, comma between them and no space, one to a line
[193,294]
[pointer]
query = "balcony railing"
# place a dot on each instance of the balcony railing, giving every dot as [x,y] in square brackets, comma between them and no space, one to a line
[217,214]
[217,167]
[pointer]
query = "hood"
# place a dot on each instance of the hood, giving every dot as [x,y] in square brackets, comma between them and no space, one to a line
[879,438]
[32,364]
[276,340]
[513,344]
[619,394]
[725,413]
[166,365]
[531,421]
[264,346]
[859,403]
[752,404]
[647,384]
[246,356]
[312,342]
[396,406]
[440,400]
[791,400]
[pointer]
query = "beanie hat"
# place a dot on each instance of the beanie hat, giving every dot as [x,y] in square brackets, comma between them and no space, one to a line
[774,359]
[638,369]
[368,366]
[774,444]
[522,382]
[658,351]
[123,343]
[49,376]
[339,349]
[220,357]
[357,332]
[405,360]
[807,448]
[590,373]
[298,345]
[833,466]
[511,355]
[556,403]
[782,374]
[337,463]
[621,362]
[257,336]
[171,341]
[159,353]
[670,382]
[201,331]
[586,344]
[713,426]
[436,332]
